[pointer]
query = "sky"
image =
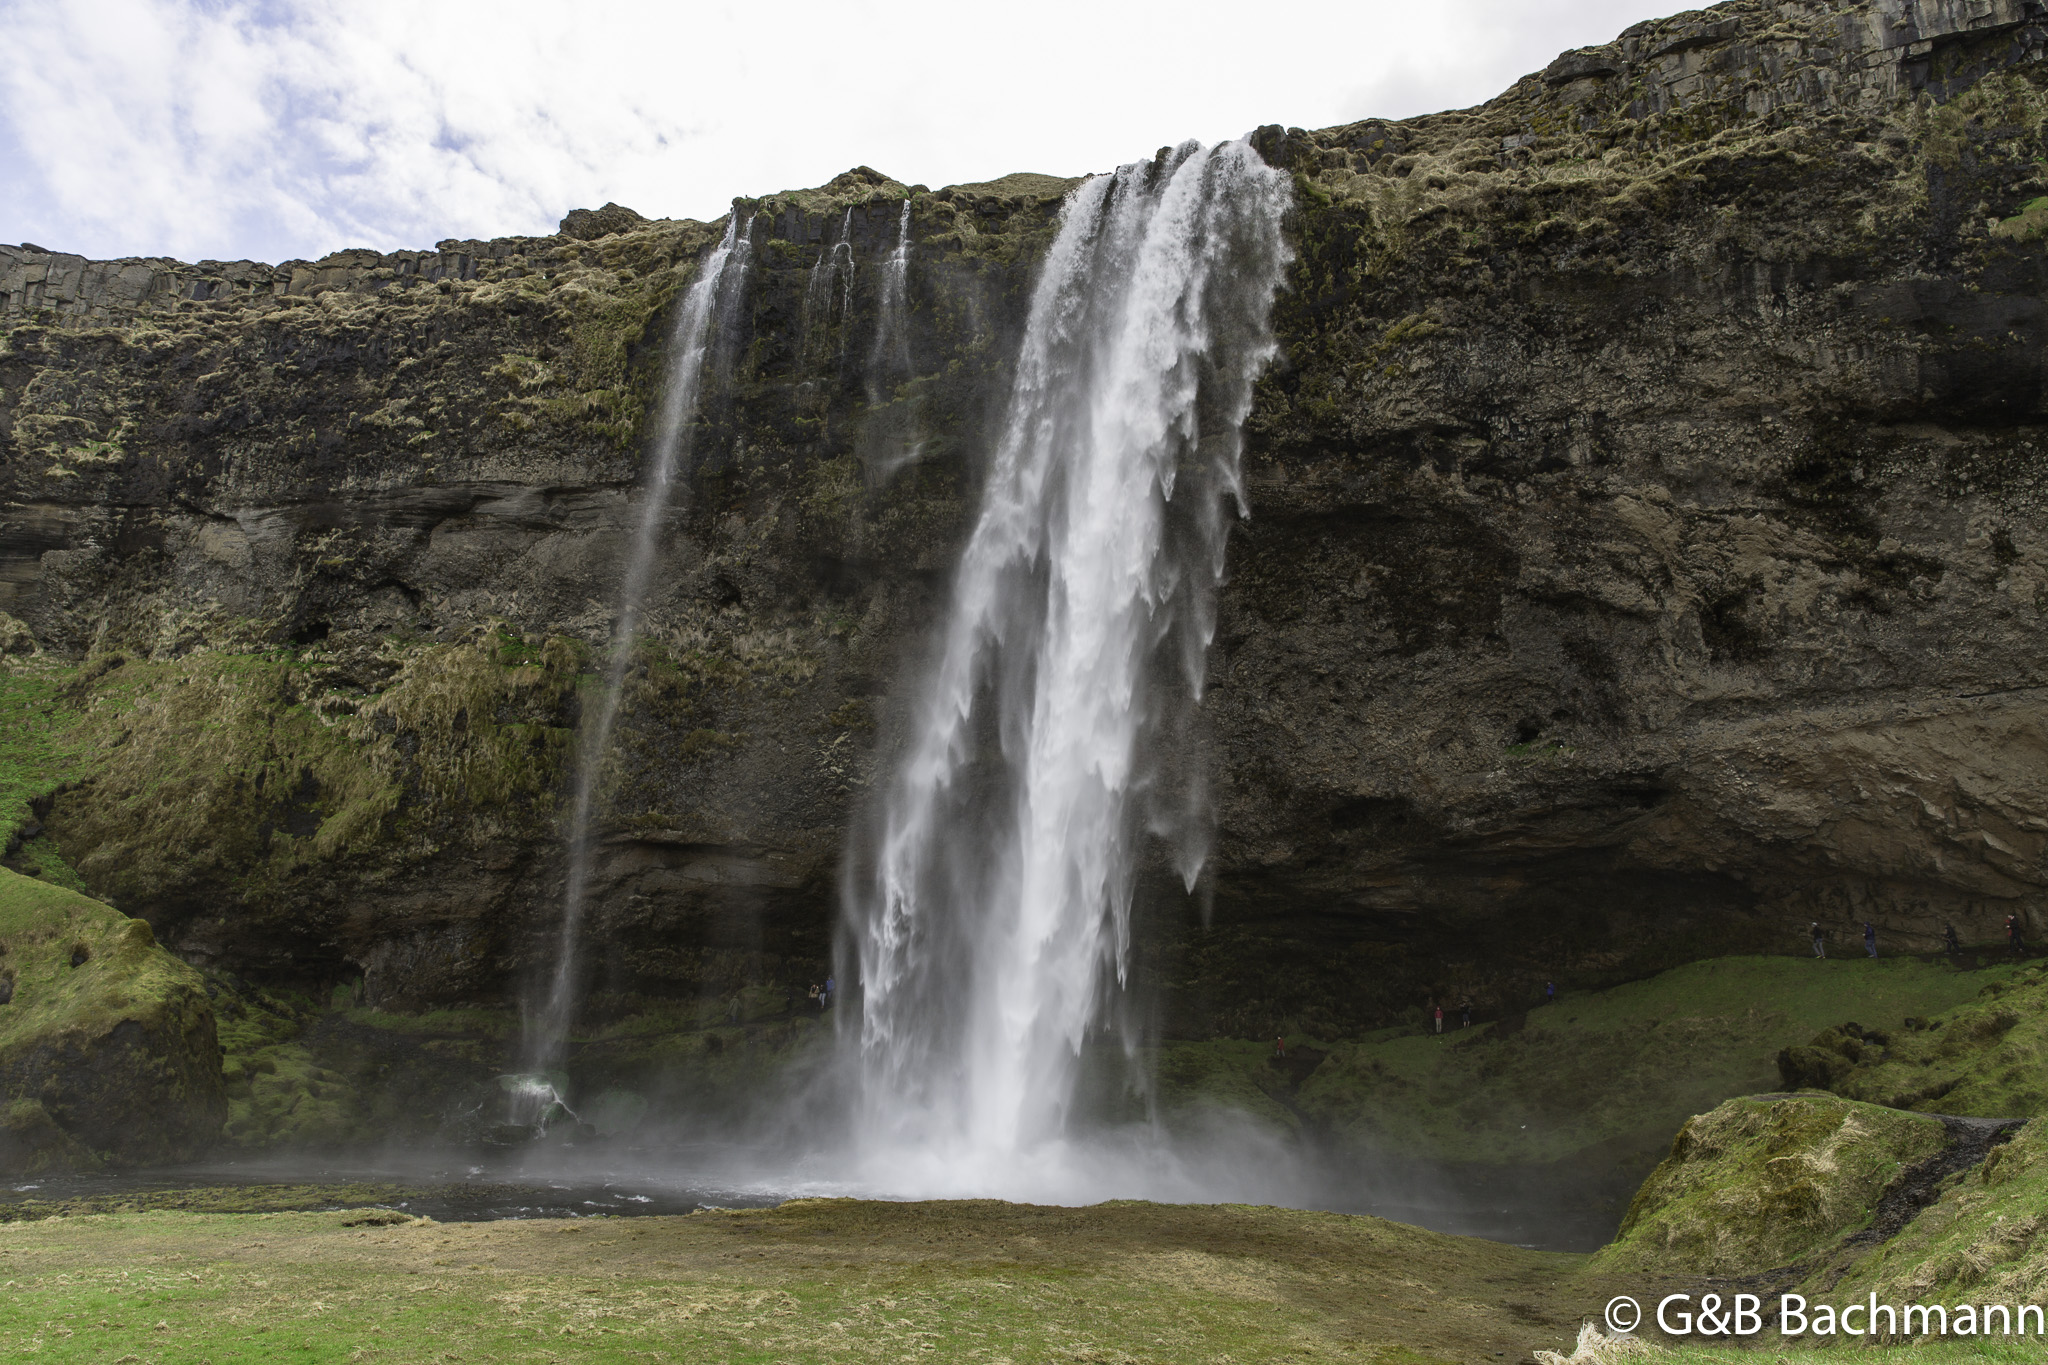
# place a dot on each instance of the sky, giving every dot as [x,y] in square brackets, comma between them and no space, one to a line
[277,129]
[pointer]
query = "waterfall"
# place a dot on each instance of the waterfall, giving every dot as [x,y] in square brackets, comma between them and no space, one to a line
[989,905]
[711,296]
[835,264]
[891,438]
[891,357]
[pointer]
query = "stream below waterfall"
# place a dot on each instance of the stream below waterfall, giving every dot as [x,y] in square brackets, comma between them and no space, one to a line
[1547,1208]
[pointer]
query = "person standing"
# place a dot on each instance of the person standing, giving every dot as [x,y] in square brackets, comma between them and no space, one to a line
[1465,1013]
[825,998]
[2013,936]
[1949,939]
[1550,992]
[1870,938]
[1439,1018]
[1820,939]
[1280,1046]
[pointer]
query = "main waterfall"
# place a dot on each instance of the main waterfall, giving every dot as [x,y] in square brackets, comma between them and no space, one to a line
[989,908]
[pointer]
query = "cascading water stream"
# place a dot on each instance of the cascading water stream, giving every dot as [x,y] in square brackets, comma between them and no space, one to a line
[990,907]
[891,438]
[835,265]
[891,357]
[710,296]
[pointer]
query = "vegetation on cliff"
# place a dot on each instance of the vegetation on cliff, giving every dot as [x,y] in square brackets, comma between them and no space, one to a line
[107,1043]
[1599,1074]
[1760,1183]
[1984,1057]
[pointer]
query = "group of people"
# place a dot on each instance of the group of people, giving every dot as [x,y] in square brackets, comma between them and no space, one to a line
[2015,938]
[819,997]
[1464,1014]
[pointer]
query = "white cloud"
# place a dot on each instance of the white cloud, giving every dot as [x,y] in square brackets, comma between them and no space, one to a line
[275,128]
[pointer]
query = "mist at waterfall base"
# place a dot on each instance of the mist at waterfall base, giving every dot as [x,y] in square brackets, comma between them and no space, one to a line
[990,1039]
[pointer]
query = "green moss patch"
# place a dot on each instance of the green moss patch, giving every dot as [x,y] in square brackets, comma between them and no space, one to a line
[1615,1070]
[1986,1058]
[1760,1183]
[1980,1243]
[105,1038]
[39,742]
[237,773]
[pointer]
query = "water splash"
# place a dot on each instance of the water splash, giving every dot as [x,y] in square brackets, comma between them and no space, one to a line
[713,294]
[990,908]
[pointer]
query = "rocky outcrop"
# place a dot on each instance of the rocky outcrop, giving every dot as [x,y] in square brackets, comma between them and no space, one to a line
[107,1047]
[1642,555]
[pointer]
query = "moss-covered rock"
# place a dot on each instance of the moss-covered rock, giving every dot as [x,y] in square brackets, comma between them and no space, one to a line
[1986,1058]
[107,1046]
[1763,1182]
[1979,1243]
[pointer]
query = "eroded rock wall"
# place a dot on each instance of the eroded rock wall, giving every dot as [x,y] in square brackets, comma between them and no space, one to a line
[1643,554]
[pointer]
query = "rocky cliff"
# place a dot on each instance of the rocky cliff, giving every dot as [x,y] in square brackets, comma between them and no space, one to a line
[1643,555]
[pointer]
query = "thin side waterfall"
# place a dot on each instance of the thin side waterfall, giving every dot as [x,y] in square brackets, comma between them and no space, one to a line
[891,438]
[834,264]
[891,357]
[713,294]
[989,906]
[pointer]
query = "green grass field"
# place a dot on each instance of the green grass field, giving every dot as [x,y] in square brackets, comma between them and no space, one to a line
[814,1281]
[1616,1070]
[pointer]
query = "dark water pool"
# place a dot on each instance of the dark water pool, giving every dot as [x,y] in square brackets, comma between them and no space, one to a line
[1547,1207]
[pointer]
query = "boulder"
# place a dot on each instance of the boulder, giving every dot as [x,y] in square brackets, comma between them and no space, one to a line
[107,1047]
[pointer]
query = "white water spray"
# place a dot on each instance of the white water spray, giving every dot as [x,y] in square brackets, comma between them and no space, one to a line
[990,910]
[712,295]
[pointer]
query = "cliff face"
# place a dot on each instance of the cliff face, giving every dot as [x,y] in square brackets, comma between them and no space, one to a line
[1643,556]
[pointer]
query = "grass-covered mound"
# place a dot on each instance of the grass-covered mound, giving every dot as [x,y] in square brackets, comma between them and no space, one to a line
[1981,1242]
[1766,1182]
[107,1042]
[1613,1072]
[1987,1057]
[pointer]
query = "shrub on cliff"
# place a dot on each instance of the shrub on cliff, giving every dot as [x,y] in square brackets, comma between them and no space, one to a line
[107,1045]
